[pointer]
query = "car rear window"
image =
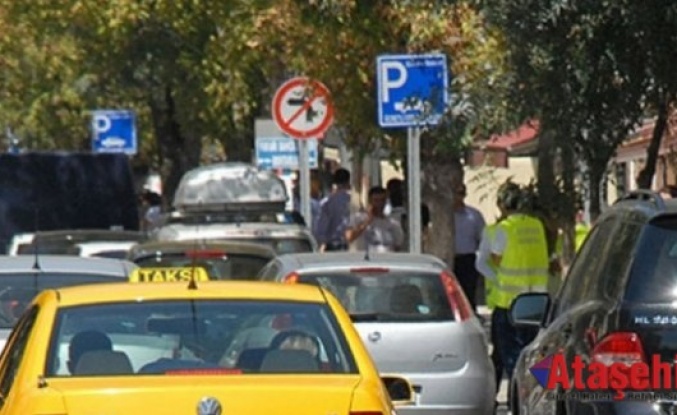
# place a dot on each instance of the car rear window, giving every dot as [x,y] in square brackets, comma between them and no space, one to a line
[18,289]
[179,337]
[387,296]
[281,245]
[653,275]
[226,267]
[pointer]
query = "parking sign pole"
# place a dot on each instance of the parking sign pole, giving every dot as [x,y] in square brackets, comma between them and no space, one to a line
[414,188]
[304,181]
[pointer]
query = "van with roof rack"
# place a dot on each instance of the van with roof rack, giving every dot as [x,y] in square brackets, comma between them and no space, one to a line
[615,307]
[234,202]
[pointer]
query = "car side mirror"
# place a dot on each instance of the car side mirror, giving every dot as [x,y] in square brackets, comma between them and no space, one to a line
[399,389]
[529,309]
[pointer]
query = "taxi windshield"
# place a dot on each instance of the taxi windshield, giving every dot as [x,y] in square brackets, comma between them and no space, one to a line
[197,337]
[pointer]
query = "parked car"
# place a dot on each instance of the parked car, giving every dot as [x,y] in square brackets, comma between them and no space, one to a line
[414,318]
[23,277]
[156,348]
[234,202]
[221,260]
[282,238]
[616,306]
[84,242]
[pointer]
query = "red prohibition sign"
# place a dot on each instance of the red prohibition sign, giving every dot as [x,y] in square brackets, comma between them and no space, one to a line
[302,108]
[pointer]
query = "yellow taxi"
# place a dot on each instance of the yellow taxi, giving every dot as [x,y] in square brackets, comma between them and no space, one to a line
[205,348]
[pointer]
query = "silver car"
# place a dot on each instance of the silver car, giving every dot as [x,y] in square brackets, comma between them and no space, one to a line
[282,238]
[414,318]
[23,276]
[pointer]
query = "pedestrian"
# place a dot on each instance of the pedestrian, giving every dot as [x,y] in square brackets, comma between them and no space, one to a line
[487,269]
[396,209]
[151,203]
[335,214]
[469,224]
[519,253]
[373,229]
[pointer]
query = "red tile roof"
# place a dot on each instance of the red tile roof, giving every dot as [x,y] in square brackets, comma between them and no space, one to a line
[526,133]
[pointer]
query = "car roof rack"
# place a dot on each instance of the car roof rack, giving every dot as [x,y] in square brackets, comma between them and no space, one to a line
[643,195]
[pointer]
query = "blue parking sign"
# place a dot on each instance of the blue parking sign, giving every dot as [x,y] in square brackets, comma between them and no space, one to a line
[114,131]
[412,89]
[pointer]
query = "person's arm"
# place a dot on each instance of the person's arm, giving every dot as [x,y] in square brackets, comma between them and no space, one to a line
[358,226]
[483,259]
[498,246]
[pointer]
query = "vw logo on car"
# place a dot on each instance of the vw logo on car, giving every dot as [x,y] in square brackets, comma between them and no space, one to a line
[208,406]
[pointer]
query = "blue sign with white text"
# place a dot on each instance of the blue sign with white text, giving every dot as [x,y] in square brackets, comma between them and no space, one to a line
[114,131]
[412,89]
[283,153]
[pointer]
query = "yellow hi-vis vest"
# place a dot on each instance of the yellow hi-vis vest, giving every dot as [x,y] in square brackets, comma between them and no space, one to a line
[581,232]
[524,263]
[489,285]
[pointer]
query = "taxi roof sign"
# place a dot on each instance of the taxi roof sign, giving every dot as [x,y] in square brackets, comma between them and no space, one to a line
[224,185]
[169,274]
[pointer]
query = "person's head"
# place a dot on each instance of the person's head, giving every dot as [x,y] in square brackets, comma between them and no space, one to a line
[151,198]
[296,340]
[86,341]
[508,198]
[377,199]
[315,186]
[341,178]
[395,190]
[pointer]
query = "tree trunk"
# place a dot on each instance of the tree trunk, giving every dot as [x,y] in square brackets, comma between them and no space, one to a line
[547,186]
[596,176]
[645,177]
[440,175]
[179,151]
[567,220]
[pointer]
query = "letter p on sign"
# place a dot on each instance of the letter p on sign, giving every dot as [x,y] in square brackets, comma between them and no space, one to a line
[102,123]
[392,83]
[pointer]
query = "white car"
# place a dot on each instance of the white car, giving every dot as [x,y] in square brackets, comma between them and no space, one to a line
[22,277]
[414,318]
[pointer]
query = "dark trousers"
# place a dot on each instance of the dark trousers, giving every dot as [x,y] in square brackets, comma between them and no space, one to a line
[509,340]
[467,275]
[495,354]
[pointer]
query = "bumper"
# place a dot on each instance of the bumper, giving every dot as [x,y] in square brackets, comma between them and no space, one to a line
[471,393]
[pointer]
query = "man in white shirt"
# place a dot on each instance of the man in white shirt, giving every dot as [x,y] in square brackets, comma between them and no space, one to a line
[373,228]
[469,225]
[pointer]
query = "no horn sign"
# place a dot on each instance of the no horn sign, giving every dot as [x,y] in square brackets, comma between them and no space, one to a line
[302,108]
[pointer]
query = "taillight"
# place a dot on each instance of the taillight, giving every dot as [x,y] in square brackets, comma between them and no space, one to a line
[621,347]
[459,303]
[205,253]
[291,278]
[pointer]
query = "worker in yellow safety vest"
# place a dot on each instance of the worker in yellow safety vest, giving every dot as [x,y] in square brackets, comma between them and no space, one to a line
[519,251]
